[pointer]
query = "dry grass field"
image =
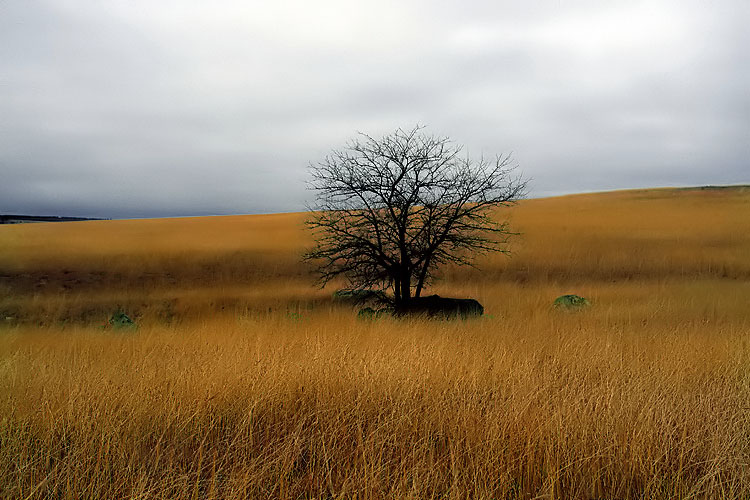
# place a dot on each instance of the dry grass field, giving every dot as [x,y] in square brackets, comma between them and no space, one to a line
[244,381]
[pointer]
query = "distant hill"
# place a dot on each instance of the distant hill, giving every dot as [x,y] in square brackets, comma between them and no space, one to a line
[26,219]
[741,187]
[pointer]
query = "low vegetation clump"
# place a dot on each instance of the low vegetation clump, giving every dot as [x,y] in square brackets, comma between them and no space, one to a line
[571,302]
[121,321]
[242,381]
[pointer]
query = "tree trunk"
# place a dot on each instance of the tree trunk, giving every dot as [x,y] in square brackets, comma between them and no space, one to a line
[405,287]
[401,287]
[422,276]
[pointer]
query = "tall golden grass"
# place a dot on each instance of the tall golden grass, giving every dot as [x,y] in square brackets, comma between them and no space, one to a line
[243,381]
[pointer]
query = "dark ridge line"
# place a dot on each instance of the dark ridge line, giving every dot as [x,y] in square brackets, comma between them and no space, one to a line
[26,219]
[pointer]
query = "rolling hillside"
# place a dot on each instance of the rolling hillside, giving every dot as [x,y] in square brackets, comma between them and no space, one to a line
[244,381]
[588,242]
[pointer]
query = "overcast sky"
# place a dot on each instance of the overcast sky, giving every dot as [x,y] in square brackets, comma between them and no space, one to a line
[144,108]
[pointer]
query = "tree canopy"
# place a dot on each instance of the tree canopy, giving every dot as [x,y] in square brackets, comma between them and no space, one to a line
[389,212]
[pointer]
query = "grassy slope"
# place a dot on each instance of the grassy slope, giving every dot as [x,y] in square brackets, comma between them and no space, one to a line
[81,271]
[244,381]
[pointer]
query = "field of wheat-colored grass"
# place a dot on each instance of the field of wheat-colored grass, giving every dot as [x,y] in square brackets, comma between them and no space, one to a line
[244,381]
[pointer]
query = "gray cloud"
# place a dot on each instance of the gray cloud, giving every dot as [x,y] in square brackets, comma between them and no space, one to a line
[137,109]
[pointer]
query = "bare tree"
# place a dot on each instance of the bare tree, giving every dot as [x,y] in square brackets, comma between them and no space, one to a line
[389,212]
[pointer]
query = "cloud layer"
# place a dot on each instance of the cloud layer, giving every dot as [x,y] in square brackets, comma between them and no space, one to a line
[137,109]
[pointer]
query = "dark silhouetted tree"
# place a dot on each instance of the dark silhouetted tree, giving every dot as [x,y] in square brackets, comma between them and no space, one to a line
[390,211]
